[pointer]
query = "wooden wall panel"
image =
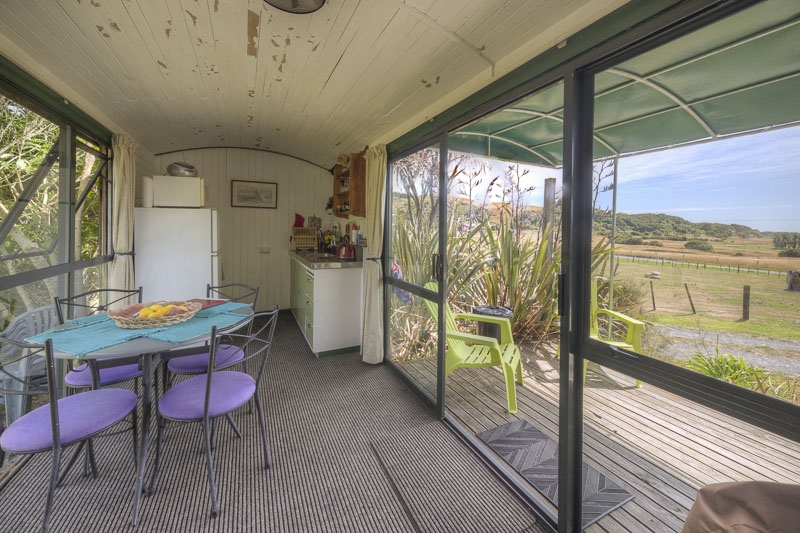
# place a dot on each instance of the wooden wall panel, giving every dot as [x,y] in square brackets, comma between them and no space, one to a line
[145,165]
[302,188]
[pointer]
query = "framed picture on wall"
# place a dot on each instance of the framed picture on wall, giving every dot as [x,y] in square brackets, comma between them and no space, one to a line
[254,194]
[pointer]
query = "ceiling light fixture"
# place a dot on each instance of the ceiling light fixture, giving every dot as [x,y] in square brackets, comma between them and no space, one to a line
[296,6]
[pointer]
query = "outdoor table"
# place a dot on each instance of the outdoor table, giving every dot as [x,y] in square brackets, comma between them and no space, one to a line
[97,336]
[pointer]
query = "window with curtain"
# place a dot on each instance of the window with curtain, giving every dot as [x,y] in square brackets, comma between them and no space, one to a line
[53,209]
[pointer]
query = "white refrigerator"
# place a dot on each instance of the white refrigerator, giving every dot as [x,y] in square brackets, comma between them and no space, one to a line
[176,252]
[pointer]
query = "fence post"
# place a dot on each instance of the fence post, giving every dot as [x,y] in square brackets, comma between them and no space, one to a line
[746,303]
[686,286]
[652,295]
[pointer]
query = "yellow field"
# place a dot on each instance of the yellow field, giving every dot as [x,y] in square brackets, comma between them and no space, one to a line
[751,253]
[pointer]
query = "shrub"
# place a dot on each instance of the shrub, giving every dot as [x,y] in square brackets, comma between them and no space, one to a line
[729,368]
[654,243]
[631,240]
[521,275]
[628,295]
[792,252]
[696,244]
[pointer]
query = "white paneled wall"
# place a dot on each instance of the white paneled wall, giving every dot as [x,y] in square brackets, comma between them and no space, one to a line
[302,188]
[144,167]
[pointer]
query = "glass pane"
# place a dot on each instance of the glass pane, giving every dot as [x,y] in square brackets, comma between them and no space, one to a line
[415,215]
[27,175]
[91,171]
[413,339]
[415,240]
[503,259]
[661,448]
[695,236]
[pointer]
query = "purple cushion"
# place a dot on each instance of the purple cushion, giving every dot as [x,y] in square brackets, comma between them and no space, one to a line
[185,400]
[79,416]
[198,363]
[82,375]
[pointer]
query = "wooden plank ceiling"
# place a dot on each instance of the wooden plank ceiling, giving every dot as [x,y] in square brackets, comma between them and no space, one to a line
[181,74]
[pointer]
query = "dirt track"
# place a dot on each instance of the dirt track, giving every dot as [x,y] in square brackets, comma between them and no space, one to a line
[761,352]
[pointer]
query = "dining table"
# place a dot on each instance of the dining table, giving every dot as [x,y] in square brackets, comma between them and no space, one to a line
[99,341]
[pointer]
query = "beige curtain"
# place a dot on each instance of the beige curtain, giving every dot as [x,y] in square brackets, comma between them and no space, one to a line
[120,274]
[372,325]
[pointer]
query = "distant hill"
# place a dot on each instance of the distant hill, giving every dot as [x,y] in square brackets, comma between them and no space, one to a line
[660,226]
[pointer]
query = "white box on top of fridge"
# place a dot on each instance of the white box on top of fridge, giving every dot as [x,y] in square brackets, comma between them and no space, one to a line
[178,191]
[175,252]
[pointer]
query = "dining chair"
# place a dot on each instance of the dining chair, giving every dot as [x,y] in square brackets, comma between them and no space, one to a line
[197,363]
[220,391]
[62,422]
[89,303]
[21,327]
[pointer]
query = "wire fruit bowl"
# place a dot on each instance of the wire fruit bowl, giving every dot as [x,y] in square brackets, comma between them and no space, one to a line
[128,318]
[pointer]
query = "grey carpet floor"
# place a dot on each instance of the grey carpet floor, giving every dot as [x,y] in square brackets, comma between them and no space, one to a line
[353,451]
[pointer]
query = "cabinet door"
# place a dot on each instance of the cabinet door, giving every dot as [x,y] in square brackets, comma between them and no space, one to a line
[294,284]
[358,185]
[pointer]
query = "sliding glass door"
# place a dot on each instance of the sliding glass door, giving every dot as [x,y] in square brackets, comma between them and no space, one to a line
[416,267]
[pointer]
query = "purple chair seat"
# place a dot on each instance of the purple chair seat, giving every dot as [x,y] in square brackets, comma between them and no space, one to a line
[198,363]
[81,376]
[79,416]
[185,401]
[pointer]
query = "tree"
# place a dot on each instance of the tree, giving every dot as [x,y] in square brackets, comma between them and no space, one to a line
[602,172]
[786,240]
[29,149]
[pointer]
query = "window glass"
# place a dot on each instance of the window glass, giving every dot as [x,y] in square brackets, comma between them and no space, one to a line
[29,196]
[696,225]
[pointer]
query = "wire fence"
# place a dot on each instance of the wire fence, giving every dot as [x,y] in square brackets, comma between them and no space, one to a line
[737,269]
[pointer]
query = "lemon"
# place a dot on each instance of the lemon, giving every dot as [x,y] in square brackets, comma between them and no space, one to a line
[155,307]
[145,313]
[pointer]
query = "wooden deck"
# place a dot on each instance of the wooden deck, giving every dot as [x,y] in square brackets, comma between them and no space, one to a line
[661,447]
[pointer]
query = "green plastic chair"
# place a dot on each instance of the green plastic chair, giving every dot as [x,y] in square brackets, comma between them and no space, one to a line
[467,350]
[633,337]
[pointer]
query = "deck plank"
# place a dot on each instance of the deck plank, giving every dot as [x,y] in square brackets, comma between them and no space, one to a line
[660,446]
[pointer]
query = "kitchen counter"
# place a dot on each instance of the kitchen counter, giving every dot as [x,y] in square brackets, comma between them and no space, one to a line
[326,301]
[321,260]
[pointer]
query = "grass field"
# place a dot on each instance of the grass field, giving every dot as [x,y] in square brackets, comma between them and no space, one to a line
[752,252]
[717,296]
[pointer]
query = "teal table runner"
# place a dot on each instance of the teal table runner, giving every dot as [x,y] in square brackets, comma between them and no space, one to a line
[195,327]
[92,333]
[227,307]
[88,338]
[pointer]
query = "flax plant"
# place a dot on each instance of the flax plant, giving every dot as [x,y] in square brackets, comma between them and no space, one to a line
[522,275]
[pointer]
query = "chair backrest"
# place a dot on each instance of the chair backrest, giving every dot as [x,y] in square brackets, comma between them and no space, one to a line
[449,318]
[255,342]
[25,372]
[594,329]
[15,384]
[91,302]
[236,292]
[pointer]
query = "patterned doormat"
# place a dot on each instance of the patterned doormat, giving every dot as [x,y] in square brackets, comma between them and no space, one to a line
[535,456]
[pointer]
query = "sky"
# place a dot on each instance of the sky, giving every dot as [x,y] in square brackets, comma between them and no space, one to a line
[752,180]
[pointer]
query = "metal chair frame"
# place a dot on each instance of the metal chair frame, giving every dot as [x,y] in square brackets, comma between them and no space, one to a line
[31,388]
[256,344]
[235,292]
[80,302]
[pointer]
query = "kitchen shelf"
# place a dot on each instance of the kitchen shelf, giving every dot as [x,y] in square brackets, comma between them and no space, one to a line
[349,187]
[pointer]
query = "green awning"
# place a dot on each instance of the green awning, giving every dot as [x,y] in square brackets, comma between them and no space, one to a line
[737,76]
